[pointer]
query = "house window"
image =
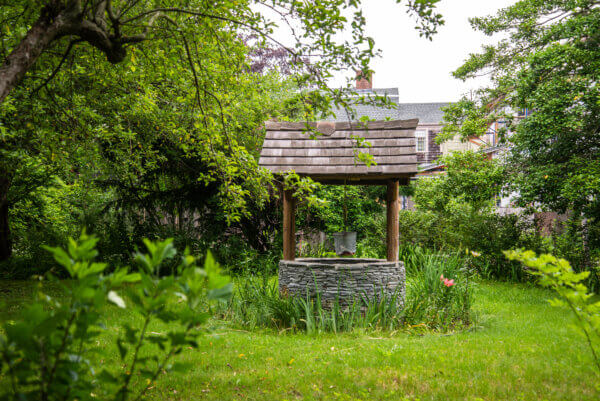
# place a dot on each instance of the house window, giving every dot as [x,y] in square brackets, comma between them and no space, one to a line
[421,138]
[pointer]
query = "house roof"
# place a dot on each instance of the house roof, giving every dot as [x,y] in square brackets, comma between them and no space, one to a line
[373,112]
[331,156]
[427,113]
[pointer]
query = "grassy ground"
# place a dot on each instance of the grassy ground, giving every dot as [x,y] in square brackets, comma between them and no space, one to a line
[520,349]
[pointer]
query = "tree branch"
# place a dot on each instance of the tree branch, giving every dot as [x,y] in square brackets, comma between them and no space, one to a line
[55,71]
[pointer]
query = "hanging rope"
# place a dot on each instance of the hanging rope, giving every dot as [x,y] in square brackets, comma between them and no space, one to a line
[345,208]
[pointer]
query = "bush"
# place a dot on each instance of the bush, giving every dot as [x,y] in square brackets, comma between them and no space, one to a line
[569,244]
[46,215]
[364,205]
[45,355]
[239,258]
[487,234]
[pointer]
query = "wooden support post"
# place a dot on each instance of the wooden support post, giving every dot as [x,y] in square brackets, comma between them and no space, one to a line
[289,225]
[392,221]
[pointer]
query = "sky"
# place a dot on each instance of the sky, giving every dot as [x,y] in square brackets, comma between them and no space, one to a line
[419,68]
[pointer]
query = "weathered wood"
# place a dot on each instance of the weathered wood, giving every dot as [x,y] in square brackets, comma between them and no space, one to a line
[380,179]
[379,134]
[335,143]
[289,225]
[288,146]
[326,127]
[334,161]
[336,152]
[343,126]
[392,221]
[399,169]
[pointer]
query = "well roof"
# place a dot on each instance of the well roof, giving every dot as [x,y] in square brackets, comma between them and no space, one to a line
[330,156]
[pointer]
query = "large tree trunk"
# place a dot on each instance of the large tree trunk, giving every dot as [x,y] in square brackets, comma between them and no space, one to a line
[60,19]
[5,240]
[46,29]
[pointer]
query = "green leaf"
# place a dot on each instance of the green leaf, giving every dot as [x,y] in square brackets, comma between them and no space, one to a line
[122,348]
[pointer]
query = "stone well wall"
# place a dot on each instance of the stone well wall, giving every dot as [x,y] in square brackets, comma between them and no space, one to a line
[346,278]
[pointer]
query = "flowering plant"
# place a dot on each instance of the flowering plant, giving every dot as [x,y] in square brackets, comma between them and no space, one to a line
[447,282]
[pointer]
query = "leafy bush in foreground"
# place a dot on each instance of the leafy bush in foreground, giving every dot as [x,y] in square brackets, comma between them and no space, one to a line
[48,353]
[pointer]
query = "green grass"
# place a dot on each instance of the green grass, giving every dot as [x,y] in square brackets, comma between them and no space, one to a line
[521,348]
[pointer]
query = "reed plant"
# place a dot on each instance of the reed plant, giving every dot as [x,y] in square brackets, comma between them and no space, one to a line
[437,298]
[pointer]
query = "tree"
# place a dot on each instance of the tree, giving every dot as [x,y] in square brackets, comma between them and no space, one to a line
[455,212]
[164,155]
[471,179]
[111,26]
[547,64]
[194,64]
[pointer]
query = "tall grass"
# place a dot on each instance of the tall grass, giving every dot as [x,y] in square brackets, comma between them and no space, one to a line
[258,303]
[429,304]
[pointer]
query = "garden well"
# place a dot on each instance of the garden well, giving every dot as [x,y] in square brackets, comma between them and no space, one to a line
[329,156]
[343,279]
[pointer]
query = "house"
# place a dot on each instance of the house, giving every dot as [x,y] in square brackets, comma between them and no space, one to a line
[430,117]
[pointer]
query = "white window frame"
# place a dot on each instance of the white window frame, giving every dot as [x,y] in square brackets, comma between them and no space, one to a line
[421,133]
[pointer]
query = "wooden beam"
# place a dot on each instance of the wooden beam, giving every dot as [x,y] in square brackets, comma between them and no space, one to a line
[392,221]
[343,126]
[289,225]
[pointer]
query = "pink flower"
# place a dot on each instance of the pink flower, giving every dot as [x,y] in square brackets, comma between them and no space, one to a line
[448,283]
[442,278]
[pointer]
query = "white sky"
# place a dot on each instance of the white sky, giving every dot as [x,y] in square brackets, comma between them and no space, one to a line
[421,69]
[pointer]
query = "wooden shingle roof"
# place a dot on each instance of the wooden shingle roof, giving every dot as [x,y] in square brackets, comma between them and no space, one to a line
[330,157]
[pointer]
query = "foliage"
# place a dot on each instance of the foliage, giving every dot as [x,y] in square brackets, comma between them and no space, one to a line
[568,241]
[454,213]
[48,353]
[361,203]
[487,234]
[432,301]
[429,304]
[242,259]
[546,62]
[258,303]
[173,121]
[471,179]
[346,208]
[558,275]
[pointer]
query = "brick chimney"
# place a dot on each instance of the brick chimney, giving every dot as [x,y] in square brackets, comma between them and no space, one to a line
[364,81]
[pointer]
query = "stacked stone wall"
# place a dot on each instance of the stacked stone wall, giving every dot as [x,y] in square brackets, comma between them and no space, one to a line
[344,278]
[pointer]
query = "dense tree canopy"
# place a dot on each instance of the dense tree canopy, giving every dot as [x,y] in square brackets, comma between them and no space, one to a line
[162,102]
[548,63]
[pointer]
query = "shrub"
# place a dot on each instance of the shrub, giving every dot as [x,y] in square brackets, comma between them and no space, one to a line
[569,244]
[239,258]
[45,355]
[489,234]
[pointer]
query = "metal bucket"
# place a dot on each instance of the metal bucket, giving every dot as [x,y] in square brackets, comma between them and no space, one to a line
[345,242]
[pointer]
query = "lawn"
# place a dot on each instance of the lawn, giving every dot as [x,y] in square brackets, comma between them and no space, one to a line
[521,348]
